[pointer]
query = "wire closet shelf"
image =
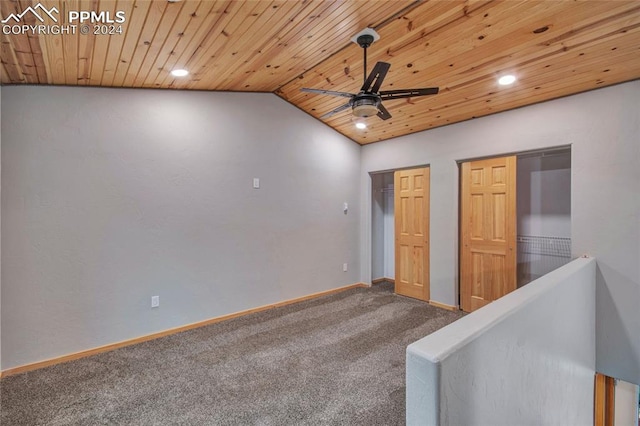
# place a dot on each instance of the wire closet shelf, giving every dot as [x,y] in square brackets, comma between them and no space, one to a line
[539,255]
[544,246]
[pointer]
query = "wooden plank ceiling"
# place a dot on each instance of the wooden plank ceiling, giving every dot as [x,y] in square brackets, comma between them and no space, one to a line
[554,47]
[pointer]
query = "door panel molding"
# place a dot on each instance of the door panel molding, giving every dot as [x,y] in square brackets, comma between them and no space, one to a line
[487,231]
[411,200]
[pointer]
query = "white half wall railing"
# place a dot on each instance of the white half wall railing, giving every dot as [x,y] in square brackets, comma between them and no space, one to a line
[528,358]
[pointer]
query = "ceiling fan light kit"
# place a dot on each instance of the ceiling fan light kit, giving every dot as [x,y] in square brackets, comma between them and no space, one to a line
[366,106]
[368,101]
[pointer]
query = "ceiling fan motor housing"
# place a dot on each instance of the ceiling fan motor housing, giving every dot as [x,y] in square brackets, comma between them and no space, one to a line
[365,105]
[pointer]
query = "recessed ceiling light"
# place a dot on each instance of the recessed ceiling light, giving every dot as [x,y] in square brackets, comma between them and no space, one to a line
[361,125]
[506,80]
[179,73]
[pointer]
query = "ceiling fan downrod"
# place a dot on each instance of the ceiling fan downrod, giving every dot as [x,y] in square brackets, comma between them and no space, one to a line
[364,41]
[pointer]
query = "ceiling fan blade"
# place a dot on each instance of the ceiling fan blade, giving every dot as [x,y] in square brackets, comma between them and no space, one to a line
[327,92]
[337,110]
[374,81]
[408,93]
[383,112]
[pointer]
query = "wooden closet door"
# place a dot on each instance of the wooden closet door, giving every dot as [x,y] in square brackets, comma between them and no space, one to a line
[488,231]
[411,201]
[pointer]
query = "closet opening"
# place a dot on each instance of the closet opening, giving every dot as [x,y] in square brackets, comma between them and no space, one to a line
[382,232]
[515,222]
[543,188]
[400,230]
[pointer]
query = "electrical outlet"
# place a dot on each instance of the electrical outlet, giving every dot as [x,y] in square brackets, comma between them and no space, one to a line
[155,301]
[256,183]
[344,267]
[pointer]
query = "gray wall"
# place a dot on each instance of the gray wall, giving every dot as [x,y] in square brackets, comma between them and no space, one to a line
[543,210]
[544,195]
[110,196]
[603,129]
[382,232]
[525,359]
[389,228]
[377,226]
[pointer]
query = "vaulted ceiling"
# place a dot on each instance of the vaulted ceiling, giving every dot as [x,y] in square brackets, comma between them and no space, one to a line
[554,48]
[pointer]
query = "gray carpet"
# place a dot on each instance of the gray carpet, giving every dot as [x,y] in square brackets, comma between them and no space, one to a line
[338,359]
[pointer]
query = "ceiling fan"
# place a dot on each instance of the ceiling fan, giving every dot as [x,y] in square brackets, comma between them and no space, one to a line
[368,101]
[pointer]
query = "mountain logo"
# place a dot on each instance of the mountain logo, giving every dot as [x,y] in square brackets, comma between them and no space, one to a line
[34,10]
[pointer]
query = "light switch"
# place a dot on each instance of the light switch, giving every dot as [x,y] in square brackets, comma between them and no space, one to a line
[256,183]
[345,207]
